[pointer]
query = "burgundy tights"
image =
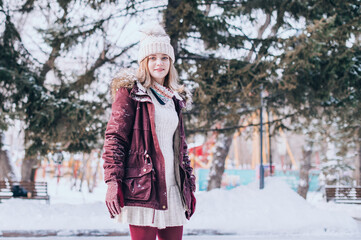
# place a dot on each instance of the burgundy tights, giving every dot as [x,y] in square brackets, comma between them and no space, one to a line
[150,233]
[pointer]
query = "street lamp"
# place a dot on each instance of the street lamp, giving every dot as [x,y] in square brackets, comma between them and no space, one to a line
[261,169]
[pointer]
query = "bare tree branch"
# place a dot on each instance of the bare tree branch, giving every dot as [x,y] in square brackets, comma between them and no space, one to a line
[260,33]
[88,77]
[223,129]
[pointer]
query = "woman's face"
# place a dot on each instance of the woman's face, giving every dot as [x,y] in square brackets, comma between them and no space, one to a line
[158,65]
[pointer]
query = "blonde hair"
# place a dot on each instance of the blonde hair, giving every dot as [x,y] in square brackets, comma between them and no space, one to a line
[170,81]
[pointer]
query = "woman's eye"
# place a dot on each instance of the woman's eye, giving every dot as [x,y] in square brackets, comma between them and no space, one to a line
[152,58]
[165,58]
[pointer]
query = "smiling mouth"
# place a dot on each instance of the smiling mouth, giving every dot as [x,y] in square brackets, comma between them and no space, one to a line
[158,70]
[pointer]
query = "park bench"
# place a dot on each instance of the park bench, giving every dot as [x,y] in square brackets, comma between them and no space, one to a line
[343,194]
[34,190]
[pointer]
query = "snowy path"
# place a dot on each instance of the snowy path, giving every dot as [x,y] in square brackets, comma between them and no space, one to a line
[222,237]
[275,213]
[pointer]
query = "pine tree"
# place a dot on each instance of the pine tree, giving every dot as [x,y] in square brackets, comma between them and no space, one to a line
[57,113]
[303,77]
[321,73]
[225,88]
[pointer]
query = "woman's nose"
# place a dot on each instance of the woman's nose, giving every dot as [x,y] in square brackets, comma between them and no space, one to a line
[158,62]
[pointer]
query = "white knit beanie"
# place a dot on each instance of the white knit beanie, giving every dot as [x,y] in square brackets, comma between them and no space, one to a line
[155,40]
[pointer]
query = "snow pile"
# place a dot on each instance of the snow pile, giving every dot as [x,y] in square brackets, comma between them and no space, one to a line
[277,209]
[316,200]
[68,210]
[32,215]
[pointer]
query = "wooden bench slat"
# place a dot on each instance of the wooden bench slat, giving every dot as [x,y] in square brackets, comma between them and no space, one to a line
[343,194]
[38,190]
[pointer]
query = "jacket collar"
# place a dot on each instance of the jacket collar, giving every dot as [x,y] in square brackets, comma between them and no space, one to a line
[139,93]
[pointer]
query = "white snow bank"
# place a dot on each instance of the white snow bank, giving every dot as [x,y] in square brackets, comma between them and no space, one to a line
[68,210]
[276,209]
[31,215]
[316,199]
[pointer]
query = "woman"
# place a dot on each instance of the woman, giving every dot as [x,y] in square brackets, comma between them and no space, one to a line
[146,165]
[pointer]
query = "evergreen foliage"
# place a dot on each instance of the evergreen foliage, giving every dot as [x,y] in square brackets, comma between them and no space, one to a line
[308,61]
[16,74]
[53,113]
[308,64]
[321,78]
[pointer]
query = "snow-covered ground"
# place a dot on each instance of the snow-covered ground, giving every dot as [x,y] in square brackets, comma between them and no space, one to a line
[212,237]
[241,213]
[316,200]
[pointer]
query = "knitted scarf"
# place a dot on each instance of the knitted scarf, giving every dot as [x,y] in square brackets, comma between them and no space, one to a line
[161,93]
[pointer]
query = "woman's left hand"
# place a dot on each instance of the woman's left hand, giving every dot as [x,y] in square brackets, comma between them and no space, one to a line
[193,203]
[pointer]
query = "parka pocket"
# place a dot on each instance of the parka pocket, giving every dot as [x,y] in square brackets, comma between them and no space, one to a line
[186,188]
[138,183]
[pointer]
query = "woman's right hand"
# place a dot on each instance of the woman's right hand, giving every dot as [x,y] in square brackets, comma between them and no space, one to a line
[114,198]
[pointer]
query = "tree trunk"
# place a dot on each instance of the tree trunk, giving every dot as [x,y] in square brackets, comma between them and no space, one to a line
[270,143]
[305,167]
[223,142]
[358,166]
[84,172]
[6,168]
[93,178]
[169,19]
[28,169]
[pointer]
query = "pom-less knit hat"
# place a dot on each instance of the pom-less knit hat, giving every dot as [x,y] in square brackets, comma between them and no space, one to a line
[155,40]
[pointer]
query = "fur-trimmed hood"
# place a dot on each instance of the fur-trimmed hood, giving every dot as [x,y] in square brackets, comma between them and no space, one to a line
[126,78]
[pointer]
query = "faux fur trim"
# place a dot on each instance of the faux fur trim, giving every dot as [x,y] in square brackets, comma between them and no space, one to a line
[126,78]
[185,95]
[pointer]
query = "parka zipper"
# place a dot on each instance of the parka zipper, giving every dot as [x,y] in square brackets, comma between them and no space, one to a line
[153,215]
[179,183]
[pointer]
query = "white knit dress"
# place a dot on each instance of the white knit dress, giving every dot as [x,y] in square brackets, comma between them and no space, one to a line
[166,122]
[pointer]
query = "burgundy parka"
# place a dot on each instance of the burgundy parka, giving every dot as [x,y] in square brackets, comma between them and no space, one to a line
[131,153]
